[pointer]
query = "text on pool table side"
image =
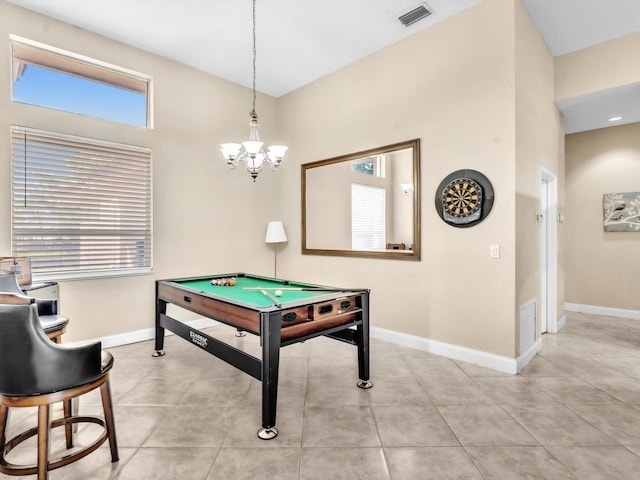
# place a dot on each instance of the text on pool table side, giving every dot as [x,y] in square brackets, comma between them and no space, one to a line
[198,339]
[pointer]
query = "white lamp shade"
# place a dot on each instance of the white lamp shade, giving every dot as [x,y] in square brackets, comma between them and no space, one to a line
[277,151]
[252,147]
[230,150]
[275,233]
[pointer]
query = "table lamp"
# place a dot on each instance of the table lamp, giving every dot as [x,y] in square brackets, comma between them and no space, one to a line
[275,234]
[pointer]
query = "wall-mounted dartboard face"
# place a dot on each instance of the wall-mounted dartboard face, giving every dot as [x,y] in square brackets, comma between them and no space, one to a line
[461,201]
[464,198]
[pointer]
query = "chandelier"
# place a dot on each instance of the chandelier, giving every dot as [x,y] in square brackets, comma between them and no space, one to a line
[251,151]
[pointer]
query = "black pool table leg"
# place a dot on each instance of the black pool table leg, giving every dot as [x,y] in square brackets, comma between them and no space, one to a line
[270,336]
[362,340]
[161,309]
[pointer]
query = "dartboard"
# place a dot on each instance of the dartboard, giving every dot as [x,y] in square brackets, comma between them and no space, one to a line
[462,198]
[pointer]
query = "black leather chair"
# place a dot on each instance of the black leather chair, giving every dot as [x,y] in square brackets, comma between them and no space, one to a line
[54,325]
[37,372]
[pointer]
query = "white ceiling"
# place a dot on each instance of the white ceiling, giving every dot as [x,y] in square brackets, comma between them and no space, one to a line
[299,41]
[570,25]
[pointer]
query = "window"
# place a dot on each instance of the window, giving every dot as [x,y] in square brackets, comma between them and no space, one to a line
[374,166]
[54,78]
[367,217]
[80,207]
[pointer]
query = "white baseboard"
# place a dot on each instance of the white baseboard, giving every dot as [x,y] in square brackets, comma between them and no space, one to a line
[608,311]
[147,334]
[562,321]
[527,356]
[455,352]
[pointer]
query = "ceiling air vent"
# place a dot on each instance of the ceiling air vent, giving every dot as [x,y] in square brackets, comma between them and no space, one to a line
[415,15]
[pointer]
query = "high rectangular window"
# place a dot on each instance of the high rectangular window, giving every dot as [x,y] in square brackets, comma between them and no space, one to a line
[80,207]
[49,77]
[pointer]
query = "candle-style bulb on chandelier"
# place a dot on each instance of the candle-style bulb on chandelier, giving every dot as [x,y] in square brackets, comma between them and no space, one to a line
[251,151]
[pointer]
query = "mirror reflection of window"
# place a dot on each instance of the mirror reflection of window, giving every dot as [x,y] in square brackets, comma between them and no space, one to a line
[374,166]
[368,219]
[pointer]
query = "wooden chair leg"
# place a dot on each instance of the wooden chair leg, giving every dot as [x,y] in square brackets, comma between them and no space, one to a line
[68,428]
[44,414]
[75,410]
[105,392]
[4,416]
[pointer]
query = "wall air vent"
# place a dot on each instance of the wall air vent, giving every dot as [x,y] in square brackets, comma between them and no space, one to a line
[415,15]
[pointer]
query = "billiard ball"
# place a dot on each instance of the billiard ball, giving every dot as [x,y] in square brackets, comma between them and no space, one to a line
[278,293]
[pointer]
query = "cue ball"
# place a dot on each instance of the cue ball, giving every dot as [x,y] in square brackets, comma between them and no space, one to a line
[278,293]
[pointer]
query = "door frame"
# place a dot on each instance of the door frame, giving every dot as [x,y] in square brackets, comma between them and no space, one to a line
[548,251]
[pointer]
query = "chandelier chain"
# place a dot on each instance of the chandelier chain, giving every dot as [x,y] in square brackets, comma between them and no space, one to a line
[253,112]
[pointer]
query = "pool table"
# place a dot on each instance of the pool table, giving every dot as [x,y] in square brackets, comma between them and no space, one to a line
[280,312]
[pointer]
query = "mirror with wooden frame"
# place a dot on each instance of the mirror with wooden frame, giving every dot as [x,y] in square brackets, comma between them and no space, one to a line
[364,204]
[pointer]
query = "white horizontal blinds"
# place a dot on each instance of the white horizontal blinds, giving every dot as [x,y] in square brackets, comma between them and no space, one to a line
[80,206]
[367,217]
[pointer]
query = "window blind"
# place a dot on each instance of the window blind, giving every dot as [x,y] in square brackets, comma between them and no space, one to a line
[80,207]
[368,223]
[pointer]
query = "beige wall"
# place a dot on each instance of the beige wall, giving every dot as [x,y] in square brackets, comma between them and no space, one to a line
[610,64]
[207,219]
[456,93]
[538,144]
[602,267]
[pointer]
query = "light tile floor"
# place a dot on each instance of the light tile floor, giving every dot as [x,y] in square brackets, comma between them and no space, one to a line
[573,413]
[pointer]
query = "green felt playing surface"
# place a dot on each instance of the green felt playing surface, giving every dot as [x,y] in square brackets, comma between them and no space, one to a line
[239,293]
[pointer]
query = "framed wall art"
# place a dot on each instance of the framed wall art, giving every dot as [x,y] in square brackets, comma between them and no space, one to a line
[621,212]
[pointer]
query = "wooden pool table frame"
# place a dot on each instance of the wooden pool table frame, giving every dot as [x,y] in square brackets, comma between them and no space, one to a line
[350,325]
